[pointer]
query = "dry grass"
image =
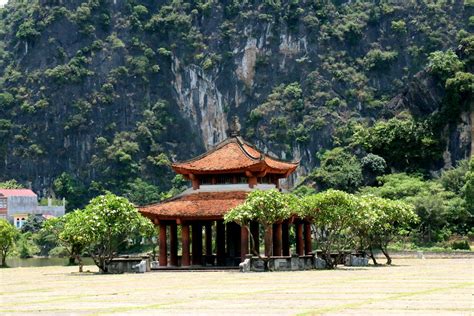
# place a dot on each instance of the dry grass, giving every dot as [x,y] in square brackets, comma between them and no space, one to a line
[411,287]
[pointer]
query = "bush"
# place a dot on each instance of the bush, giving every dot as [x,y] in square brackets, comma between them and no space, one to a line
[460,245]
[399,27]
[444,64]
[377,59]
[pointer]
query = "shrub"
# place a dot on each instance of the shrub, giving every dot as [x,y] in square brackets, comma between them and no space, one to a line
[460,245]
[377,59]
[399,27]
[444,64]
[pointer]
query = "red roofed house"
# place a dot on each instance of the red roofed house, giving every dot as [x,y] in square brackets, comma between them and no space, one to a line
[221,179]
[17,204]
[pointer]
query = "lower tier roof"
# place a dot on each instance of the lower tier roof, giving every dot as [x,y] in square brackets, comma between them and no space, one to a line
[195,206]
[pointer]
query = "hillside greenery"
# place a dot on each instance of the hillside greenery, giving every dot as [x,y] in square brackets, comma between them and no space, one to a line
[373,96]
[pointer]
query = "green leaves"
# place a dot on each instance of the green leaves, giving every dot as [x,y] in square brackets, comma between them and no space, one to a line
[444,64]
[265,207]
[8,234]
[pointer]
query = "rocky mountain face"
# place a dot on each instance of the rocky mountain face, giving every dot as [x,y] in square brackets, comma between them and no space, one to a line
[110,91]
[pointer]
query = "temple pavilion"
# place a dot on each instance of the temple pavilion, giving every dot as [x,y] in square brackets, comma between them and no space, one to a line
[221,179]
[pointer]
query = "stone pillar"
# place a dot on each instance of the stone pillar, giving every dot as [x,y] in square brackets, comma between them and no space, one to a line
[299,238]
[220,243]
[277,240]
[244,243]
[196,244]
[285,239]
[173,244]
[254,229]
[185,257]
[208,228]
[268,241]
[163,251]
[308,246]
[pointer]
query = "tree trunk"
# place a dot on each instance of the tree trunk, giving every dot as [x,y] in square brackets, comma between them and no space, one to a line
[72,260]
[268,241]
[372,256]
[385,252]
[81,265]
[4,260]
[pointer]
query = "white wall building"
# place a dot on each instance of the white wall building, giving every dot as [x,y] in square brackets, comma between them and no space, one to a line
[17,204]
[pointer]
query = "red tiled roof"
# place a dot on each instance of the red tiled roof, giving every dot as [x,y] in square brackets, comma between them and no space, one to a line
[17,192]
[233,155]
[196,205]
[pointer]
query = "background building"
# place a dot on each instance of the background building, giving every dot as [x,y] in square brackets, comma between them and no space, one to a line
[17,204]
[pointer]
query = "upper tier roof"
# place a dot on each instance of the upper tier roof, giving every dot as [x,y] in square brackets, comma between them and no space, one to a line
[234,155]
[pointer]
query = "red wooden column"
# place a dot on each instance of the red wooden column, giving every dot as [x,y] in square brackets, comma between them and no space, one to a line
[173,244]
[285,239]
[244,243]
[277,240]
[299,238]
[220,243]
[208,227]
[197,244]
[268,241]
[254,229]
[163,251]
[308,245]
[185,257]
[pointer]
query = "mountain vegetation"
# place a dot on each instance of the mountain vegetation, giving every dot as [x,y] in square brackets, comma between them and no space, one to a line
[373,96]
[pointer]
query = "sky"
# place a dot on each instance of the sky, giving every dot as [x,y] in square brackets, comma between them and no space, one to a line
[2,2]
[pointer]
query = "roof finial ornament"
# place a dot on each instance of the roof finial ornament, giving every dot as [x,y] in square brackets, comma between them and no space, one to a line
[234,128]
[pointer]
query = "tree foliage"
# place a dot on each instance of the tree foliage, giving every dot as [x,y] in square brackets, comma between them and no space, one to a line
[339,170]
[107,223]
[403,143]
[8,234]
[333,212]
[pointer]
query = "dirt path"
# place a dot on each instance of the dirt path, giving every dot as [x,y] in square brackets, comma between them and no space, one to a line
[411,287]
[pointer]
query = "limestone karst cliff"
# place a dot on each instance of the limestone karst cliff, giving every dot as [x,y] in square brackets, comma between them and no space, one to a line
[110,91]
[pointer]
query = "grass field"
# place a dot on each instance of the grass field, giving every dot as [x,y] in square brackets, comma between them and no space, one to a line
[410,287]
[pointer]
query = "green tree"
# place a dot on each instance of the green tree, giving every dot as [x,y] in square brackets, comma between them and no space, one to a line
[107,223]
[384,219]
[468,188]
[69,234]
[8,234]
[141,192]
[266,208]
[404,143]
[32,224]
[10,184]
[68,187]
[334,213]
[444,64]
[339,170]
